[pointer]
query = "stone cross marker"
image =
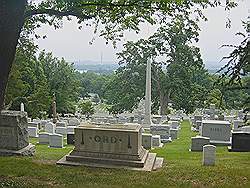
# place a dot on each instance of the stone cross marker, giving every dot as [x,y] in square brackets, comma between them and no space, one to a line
[147,118]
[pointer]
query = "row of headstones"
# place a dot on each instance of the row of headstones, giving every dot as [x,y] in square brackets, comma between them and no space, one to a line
[63,121]
[213,113]
[219,132]
[111,120]
[237,123]
[136,118]
[160,134]
[53,134]
[156,139]
[55,140]
[240,142]
[50,128]
[61,127]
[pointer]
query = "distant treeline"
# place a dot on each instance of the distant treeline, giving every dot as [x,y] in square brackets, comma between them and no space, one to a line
[97,68]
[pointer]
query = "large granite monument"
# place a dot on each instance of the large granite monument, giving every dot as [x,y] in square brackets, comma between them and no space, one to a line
[14,134]
[219,132]
[112,146]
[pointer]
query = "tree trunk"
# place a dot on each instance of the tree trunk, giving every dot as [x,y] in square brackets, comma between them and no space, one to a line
[11,22]
[164,99]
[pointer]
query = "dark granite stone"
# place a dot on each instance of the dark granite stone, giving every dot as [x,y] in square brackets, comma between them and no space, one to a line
[71,139]
[240,141]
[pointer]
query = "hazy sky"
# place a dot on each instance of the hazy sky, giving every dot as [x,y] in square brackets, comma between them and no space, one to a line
[73,44]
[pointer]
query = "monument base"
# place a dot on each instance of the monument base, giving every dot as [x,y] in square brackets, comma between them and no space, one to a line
[230,149]
[148,163]
[220,143]
[26,151]
[112,146]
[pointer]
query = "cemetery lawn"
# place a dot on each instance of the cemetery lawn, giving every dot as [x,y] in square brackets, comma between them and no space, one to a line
[181,169]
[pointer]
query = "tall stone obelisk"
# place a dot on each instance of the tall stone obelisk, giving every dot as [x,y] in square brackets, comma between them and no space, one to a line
[147,116]
[54,109]
[248,25]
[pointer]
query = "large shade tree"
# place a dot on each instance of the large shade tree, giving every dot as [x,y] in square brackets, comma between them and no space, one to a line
[115,16]
[177,69]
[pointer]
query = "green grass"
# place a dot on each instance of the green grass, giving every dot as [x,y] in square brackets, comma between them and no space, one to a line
[181,169]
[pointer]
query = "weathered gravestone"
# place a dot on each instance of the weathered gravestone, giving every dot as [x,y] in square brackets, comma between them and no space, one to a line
[71,129]
[156,141]
[33,132]
[173,134]
[198,125]
[229,118]
[61,124]
[209,152]
[245,129]
[33,124]
[55,141]
[197,118]
[175,124]
[50,128]
[73,122]
[147,140]
[163,131]
[14,134]
[237,124]
[110,146]
[240,142]
[198,142]
[61,130]
[219,132]
[43,138]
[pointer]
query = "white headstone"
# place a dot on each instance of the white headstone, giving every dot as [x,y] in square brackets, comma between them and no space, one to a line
[33,132]
[50,128]
[156,141]
[56,141]
[71,129]
[29,119]
[245,128]
[61,130]
[237,124]
[22,107]
[74,122]
[43,138]
[209,152]
[61,124]
[229,118]
[162,130]
[33,124]
[175,124]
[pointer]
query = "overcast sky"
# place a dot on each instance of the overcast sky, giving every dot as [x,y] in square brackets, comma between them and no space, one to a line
[73,44]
